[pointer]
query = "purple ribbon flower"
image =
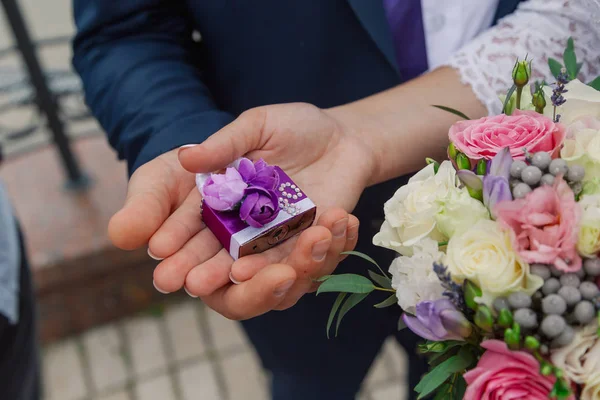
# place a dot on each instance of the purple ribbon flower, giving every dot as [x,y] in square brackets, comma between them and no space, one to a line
[260,206]
[438,320]
[222,192]
[495,184]
[258,174]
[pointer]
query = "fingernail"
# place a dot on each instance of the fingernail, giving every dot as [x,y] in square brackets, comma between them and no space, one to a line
[189,294]
[234,281]
[152,256]
[159,290]
[339,228]
[184,148]
[283,288]
[319,250]
[353,232]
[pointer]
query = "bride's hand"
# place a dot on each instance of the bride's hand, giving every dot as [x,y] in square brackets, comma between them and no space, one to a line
[315,148]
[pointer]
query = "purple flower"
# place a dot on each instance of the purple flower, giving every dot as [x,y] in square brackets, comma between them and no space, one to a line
[438,320]
[260,206]
[258,174]
[495,184]
[222,192]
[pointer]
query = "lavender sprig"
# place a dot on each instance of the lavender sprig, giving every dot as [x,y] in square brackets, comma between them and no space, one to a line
[453,291]
[557,93]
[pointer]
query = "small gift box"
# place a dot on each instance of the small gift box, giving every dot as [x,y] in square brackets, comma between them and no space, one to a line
[253,207]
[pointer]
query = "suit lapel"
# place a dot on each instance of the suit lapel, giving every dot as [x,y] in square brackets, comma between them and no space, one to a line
[371,15]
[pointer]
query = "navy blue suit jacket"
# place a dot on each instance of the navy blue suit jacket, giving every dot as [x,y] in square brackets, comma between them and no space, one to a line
[153,88]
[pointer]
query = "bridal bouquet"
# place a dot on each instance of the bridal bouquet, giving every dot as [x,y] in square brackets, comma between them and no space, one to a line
[498,268]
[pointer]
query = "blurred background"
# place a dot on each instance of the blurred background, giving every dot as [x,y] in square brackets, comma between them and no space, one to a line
[106,333]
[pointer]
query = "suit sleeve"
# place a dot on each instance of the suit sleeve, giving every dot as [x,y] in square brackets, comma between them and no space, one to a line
[142,81]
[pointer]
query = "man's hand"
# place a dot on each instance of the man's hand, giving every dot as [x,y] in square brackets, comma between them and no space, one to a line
[314,147]
[162,211]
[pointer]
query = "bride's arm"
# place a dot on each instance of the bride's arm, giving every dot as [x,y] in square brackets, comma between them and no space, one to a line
[403,128]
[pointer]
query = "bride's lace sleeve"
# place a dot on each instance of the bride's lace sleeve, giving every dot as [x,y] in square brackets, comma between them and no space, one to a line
[539,29]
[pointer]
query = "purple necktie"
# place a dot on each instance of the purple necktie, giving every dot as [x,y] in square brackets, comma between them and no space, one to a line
[406,24]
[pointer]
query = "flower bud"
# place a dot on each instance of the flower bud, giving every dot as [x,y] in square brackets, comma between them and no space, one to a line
[471,291]
[436,165]
[462,161]
[505,318]
[483,318]
[481,167]
[539,100]
[452,152]
[546,368]
[476,194]
[456,323]
[511,338]
[532,343]
[521,73]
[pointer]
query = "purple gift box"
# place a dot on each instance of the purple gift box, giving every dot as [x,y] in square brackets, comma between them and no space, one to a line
[296,212]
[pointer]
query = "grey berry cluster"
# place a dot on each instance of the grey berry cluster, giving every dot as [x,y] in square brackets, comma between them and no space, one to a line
[565,301]
[541,169]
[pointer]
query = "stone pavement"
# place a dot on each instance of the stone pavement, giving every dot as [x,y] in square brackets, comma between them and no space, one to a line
[183,351]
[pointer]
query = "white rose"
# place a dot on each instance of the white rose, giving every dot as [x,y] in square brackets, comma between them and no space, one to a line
[588,242]
[591,389]
[484,255]
[581,358]
[582,145]
[582,100]
[413,277]
[458,212]
[410,215]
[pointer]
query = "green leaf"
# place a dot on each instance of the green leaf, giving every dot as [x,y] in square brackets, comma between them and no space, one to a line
[364,257]
[401,324]
[579,66]
[460,387]
[595,83]
[443,392]
[383,281]
[555,67]
[350,283]
[442,372]
[570,59]
[352,301]
[334,309]
[452,111]
[437,358]
[323,278]
[390,301]
[508,96]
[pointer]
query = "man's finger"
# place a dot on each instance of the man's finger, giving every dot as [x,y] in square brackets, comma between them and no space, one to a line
[183,224]
[255,297]
[204,279]
[150,196]
[170,274]
[227,145]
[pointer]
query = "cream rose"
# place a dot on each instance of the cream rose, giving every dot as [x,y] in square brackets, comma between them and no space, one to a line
[582,100]
[582,145]
[591,389]
[581,358]
[588,242]
[484,255]
[410,215]
[458,212]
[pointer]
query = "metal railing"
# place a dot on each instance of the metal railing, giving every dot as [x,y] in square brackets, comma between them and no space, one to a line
[43,91]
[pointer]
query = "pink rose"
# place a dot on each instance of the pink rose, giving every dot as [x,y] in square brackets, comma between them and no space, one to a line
[504,374]
[485,137]
[544,225]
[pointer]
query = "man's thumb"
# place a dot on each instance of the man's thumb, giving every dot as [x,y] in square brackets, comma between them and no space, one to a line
[235,140]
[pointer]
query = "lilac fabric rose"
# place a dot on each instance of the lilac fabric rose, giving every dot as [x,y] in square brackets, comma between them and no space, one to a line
[438,320]
[222,192]
[260,206]
[258,173]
